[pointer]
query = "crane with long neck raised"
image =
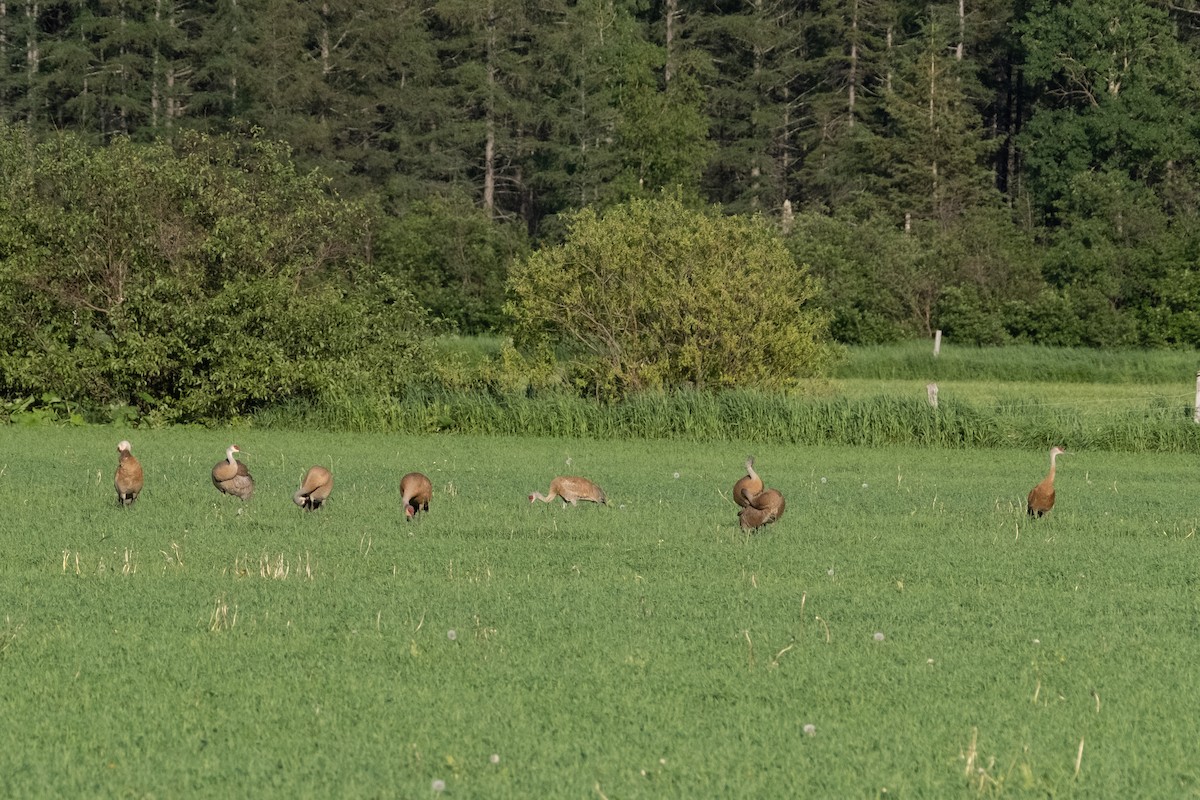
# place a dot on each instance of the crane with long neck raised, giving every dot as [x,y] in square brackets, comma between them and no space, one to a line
[1041,497]
[749,484]
[232,477]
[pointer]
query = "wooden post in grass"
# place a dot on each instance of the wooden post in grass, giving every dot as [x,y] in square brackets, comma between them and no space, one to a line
[931,389]
[937,342]
[1196,407]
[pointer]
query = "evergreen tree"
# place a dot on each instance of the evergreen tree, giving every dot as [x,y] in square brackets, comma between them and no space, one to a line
[485,48]
[586,63]
[851,42]
[936,149]
[758,48]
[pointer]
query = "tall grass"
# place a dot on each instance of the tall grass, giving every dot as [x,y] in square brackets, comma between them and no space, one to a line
[1000,397]
[1157,425]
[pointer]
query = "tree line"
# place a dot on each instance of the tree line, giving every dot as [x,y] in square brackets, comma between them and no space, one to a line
[1018,170]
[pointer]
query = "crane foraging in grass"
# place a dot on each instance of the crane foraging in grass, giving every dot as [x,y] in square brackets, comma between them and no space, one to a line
[128,480]
[314,488]
[761,509]
[572,489]
[231,475]
[749,484]
[1041,497]
[416,491]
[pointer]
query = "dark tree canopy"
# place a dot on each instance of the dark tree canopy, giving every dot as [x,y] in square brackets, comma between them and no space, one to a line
[1023,171]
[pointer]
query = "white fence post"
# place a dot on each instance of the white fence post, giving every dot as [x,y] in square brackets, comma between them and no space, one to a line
[1196,408]
[931,389]
[937,344]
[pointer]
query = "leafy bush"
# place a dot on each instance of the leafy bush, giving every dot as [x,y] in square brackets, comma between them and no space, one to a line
[453,257]
[654,295]
[196,281]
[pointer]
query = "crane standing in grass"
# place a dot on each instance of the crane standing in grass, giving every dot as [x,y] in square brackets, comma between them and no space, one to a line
[232,477]
[128,480]
[1041,497]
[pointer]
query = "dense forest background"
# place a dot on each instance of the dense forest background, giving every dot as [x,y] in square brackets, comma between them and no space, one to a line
[1003,170]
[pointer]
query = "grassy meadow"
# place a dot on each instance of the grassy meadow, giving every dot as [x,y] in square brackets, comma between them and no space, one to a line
[904,630]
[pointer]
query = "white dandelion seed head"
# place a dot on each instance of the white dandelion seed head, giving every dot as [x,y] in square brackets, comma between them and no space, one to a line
[824,480]
[879,636]
[864,486]
[495,758]
[676,476]
[452,634]
[829,572]
[810,730]
[438,785]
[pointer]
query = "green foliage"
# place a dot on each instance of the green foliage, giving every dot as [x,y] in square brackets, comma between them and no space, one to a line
[453,258]
[1081,114]
[966,273]
[654,295]
[1122,84]
[197,282]
[850,257]
[663,135]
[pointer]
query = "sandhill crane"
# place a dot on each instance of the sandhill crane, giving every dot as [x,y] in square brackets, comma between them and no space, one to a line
[572,489]
[231,476]
[314,489]
[415,493]
[1041,497]
[128,480]
[750,483]
[761,509]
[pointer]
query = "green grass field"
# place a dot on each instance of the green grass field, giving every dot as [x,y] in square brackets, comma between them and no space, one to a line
[191,646]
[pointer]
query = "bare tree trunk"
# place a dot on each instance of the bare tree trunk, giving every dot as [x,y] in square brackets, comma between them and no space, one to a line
[233,79]
[887,78]
[155,92]
[122,113]
[489,147]
[852,78]
[933,124]
[962,30]
[759,58]
[326,65]
[672,11]
[33,56]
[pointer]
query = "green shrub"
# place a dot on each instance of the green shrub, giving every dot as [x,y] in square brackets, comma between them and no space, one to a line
[196,281]
[652,295]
